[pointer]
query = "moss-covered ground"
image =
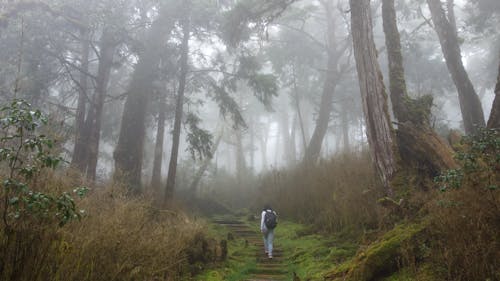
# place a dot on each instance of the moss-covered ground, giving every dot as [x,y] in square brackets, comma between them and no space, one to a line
[308,256]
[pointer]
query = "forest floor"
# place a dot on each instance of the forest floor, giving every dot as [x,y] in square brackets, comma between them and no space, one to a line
[298,255]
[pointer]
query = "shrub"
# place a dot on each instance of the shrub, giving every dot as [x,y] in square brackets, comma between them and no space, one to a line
[465,216]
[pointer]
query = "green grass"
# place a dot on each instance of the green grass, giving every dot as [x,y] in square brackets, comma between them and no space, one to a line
[310,256]
[240,258]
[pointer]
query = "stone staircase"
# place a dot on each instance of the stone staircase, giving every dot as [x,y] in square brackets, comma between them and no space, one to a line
[266,269]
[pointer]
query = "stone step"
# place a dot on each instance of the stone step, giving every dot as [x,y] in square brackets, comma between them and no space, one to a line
[268,277]
[275,270]
[228,222]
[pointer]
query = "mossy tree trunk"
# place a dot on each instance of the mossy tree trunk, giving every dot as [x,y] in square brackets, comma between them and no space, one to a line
[176,133]
[128,154]
[397,83]
[418,144]
[470,105]
[380,134]
[494,120]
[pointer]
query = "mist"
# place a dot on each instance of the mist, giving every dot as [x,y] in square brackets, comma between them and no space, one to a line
[357,111]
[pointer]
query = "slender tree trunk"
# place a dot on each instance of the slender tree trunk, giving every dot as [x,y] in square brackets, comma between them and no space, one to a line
[293,143]
[299,112]
[128,153]
[470,105]
[345,129]
[158,154]
[79,159]
[397,83]
[172,168]
[241,166]
[263,146]
[107,50]
[285,131]
[494,120]
[379,131]
[314,148]
[252,143]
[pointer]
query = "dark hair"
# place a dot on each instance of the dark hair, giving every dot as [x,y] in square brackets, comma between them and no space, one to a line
[267,207]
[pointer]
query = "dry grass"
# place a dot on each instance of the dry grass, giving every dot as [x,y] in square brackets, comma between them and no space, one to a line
[336,195]
[466,228]
[119,238]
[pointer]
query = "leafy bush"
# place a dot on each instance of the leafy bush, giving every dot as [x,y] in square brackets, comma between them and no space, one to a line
[26,155]
[29,213]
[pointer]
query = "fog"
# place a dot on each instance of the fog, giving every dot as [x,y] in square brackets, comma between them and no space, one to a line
[257,76]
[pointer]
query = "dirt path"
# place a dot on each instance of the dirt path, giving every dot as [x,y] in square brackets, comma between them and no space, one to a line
[266,269]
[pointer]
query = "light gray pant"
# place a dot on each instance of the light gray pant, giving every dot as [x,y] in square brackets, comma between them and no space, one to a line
[268,241]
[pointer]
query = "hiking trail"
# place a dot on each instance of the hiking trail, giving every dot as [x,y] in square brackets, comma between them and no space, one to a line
[266,269]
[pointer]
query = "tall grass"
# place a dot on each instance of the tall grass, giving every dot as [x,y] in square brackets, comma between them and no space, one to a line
[118,238]
[338,194]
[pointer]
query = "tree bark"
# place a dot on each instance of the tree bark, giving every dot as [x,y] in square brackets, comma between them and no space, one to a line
[470,105]
[419,146]
[158,154]
[172,168]
[379,131]
[494,120]
[128,154]
[107,50]
[397,83]
[79,159]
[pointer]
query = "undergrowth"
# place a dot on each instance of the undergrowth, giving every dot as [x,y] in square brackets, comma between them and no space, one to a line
[52,231]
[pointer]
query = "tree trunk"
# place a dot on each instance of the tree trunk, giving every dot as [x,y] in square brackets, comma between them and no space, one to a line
[419,146]
[397,83]
[470,105]
[79,159]
[172,168]
[494,120]
[107,50]
[158,154]
[379,131]
[299,113]
[314,148]
[241,166]
[345,129]
[129,150]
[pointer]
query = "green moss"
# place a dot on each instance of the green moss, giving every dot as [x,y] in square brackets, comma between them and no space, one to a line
[380,258]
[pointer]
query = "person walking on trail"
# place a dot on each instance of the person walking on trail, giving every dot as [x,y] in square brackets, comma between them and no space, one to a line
[268,221]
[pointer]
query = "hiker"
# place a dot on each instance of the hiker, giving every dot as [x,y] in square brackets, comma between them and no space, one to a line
[268,221]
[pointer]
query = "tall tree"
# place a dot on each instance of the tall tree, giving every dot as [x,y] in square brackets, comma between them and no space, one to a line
[381,138]
[470,105]
[78,160]
[332,75]
[107,46]
[418,143]
[172,167]
[397,83]
[128,154]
